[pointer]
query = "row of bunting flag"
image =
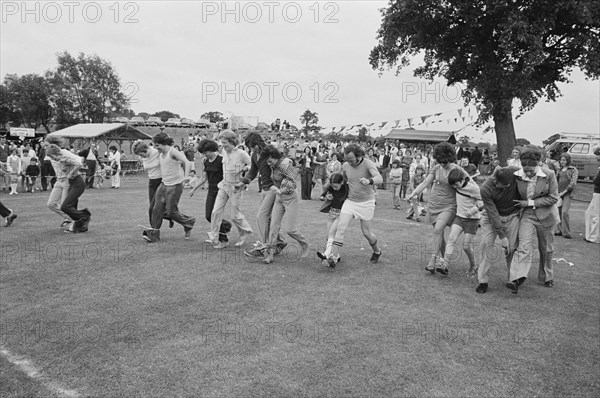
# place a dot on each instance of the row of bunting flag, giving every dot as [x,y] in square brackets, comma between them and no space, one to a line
[462,115]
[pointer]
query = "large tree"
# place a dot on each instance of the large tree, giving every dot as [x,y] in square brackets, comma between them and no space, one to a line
[88,88]
[309,120]
[165,115]
[28,98]
[500,51]
[213,116]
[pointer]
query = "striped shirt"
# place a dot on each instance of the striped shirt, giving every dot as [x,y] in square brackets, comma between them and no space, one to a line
[284,175]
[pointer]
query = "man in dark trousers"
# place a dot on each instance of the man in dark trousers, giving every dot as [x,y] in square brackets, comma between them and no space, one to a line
[500,219]
[90,155]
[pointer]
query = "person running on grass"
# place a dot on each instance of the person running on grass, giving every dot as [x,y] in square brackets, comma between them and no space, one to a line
[469,205]
[213,174]
[361,174]
[151,163]
[500,219]
[259,167]
[169,192]
[335,194]
[70,164]
[235,162]
[441,208]
[283,174]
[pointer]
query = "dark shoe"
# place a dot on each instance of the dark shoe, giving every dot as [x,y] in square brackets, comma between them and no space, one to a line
[10,219]
[521,280]
[442,270]
[187,231]
[171,223]
[151,235]
[375,257]
[321,256]
[482,288]
[567,236]
[513,286]
[549,284]
[430,269]
[279,248]
[86,221]
[558,234]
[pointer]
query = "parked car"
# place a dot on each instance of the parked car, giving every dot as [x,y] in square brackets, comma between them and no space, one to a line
[154,121]
[121,119]
[581,148]
[173,122]
[137,121]
[187,123]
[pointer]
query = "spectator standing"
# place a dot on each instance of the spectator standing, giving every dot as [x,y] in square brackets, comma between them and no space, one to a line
[114,158]
[592,214]
[567,180]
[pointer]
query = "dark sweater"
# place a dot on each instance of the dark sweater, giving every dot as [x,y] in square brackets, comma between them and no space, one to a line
[499,202]
[259,165]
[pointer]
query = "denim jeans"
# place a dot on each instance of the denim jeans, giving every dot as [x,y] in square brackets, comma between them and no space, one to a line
[285,205]
[69,205]
[166,201]
[263,217]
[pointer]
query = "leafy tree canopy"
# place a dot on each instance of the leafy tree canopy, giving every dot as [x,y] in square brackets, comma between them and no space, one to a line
[498,50]
[165,115]
[213,116]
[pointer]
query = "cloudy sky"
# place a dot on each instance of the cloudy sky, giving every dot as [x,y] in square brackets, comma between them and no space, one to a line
[266,59]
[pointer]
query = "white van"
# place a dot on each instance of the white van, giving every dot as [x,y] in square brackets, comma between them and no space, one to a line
[581,148]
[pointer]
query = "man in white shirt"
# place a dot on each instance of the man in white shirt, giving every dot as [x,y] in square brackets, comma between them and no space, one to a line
[235,162]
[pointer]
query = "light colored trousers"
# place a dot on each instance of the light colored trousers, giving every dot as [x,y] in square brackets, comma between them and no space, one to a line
[58,195]
[523,258]
[285,205]
[592,220]
[489,251]
[564,226]
[116,179]
[263,216]
[228,194]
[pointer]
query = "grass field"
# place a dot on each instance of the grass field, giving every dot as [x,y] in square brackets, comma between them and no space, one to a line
[106,314]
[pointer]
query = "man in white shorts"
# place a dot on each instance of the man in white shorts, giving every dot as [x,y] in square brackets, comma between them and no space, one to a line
[360,174]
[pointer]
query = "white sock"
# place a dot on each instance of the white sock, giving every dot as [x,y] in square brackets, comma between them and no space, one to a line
[328,247]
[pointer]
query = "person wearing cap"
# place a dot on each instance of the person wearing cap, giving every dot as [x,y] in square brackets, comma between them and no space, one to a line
[539,214]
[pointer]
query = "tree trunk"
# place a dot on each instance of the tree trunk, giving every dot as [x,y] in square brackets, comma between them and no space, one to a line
[505,133]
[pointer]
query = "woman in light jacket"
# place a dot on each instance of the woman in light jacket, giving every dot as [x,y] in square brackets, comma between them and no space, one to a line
[539,215]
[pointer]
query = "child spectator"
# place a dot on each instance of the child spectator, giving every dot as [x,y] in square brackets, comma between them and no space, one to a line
[469,206]
[31,174]
[405,179]
[336,194]
[100,174]
[415,181]
[193,181]
[396,178]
